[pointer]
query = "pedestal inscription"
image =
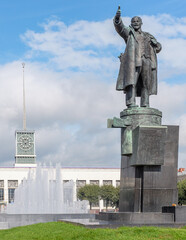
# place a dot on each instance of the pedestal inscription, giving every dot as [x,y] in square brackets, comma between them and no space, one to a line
[148,145]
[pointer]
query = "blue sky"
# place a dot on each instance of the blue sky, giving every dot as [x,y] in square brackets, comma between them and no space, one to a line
[70,49]
[18,16]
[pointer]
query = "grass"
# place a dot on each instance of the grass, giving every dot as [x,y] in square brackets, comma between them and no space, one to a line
[66,231]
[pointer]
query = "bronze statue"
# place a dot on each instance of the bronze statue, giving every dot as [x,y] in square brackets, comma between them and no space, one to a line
[138,67]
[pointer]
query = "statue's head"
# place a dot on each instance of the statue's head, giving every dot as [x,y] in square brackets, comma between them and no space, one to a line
[136,23]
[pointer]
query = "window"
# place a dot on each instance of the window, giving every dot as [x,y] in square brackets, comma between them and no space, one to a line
[107,182]
[94,182]
[12,183]
[117,183]
[68,193]
[1,194]
[80,183]
[11,192]
[66,181]
[1,183]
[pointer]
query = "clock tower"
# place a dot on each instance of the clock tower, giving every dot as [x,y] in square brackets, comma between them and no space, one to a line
[25,140]
[25,147]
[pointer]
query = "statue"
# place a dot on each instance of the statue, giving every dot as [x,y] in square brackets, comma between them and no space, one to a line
[138,65]
[148,148]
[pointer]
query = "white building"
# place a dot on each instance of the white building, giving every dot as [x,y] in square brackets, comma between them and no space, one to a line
[11,177]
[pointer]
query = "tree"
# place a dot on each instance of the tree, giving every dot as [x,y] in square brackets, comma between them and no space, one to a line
[115,197]
[182,192]
[90,193]
[108,194]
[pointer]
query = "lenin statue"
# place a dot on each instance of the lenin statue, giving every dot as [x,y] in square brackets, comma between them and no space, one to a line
[138,68]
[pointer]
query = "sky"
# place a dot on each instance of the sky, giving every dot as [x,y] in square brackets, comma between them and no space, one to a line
[70,50]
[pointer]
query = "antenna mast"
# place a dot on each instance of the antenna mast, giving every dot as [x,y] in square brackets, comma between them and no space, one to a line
[24,107]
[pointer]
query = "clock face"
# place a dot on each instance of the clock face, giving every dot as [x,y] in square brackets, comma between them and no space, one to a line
[25,142]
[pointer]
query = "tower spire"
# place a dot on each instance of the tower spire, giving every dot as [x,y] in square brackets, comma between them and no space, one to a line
[25,139]
[24,106]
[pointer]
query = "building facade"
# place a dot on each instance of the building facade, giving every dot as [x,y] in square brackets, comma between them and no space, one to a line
[11,178]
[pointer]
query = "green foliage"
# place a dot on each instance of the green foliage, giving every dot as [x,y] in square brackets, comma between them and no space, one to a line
[90,193]
[109,194]
[66,231]
[115,197]
[182,192]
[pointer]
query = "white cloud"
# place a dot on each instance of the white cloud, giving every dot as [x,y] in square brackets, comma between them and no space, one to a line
[171,100]
[76,45]
[88,45]
[68,114]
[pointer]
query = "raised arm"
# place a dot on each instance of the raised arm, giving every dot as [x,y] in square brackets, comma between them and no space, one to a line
[121,29]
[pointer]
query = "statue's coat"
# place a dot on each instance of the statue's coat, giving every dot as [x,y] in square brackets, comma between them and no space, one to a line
[132,59]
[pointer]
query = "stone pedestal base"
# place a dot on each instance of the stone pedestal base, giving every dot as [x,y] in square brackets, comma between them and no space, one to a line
[149,157]
[148,188]
[137,218]
[149,161]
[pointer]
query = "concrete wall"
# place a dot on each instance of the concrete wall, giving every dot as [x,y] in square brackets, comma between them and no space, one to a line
[16,220]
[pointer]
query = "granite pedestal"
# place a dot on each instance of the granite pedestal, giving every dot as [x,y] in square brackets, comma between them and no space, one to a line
[149,158]
[149,174]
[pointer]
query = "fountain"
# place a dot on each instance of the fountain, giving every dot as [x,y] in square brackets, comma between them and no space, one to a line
[43,192]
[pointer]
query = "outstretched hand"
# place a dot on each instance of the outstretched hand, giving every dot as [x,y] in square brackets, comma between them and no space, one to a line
[118,13]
